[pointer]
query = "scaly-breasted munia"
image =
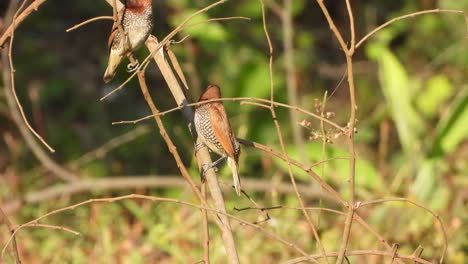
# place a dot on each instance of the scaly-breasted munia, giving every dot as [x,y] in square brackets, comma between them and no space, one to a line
[137,22]
[214,129]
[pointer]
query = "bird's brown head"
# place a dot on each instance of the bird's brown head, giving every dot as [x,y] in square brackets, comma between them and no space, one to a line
[211,92]
[137,3]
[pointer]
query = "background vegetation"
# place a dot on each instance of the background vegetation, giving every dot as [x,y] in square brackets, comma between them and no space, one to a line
[412,96]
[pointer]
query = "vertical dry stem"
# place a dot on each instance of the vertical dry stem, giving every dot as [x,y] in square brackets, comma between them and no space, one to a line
[280,137]
[14,247]
[202,155]
[291,83]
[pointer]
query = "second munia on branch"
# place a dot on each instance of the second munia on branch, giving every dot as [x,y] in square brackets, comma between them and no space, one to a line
[137,22]
[213,128]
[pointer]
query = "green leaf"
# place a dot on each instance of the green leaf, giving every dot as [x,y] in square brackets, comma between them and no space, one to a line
[427,187]
[452,129]
[250,9]
[438,89]
[199,27]
[337,169]
[396,87]
[254,80]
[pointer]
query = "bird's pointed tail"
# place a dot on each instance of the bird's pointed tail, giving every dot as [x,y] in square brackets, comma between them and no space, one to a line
[114,61]
[235,174]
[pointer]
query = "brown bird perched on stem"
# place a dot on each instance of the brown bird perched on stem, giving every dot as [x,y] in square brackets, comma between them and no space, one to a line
[136,19]
[213,127]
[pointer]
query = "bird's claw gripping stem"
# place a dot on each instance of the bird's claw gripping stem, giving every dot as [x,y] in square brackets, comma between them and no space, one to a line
[198,146]
[131,67]
[205,168]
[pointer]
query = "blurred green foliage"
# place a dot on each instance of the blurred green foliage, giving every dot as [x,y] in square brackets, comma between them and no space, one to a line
[411,86]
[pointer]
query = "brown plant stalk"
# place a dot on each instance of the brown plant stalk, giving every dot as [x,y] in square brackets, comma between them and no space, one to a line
[280,136]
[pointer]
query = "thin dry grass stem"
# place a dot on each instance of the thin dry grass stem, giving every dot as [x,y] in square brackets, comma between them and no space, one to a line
[19,19]
[352,45]
[276,8]
[391,21]
[349,52]
[332,25]
[130,182]
[349,253]
[324,143]
[88,21]
[26,133]
[55,227]
[298,164]
[14,247]
[99,200]
[256,104]
[280,135]
[218,19]
[287,26]
[206,230]
[325,161]
[241,99]
[436,216]
[176,65]
[223,225]
[13,88]
[4,220]
[110,145]
[334,194]
[168,140]
[161,44]
[279,207]
[99,152]
[158,199]
[202,155]
[257,207]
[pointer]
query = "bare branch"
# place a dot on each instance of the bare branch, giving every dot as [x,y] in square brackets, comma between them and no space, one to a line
[391,21]
[14,247]
[89,21]
[280,137]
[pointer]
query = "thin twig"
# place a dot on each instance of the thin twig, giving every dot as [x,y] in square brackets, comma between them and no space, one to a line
[19,19]
[391,21]
[202,155]
[13,89]
[131,182]
[14,247]
[280,135]
[348,52]
[436,216]
[36,149]
[291,83]
[10,12]
[324,143]
[110,145]
[88,21]
[158,199]
[323,184]
[218,19]
[221,221]
[362,253]
[234,99]
[206,229]
[55,227]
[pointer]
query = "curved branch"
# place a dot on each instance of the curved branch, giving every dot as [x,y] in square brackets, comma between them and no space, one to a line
[408,16]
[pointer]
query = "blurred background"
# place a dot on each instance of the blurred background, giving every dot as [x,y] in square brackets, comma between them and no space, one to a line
[412,95]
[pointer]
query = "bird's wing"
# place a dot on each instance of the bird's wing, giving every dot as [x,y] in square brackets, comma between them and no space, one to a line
[115,29]
[112,36]
[222,128]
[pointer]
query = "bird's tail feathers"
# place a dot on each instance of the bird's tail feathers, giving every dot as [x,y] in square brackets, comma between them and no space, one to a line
[114,61]
[235,174]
